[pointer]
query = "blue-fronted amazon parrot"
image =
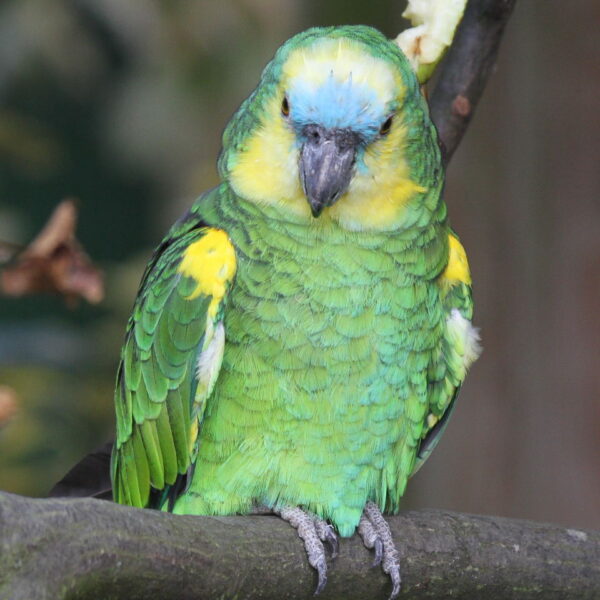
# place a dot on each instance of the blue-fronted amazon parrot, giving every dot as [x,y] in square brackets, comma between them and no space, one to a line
[300,335]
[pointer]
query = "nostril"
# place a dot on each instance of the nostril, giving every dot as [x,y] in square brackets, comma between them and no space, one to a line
[313,134]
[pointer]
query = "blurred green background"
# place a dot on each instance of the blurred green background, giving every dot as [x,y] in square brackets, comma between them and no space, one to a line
[121,104]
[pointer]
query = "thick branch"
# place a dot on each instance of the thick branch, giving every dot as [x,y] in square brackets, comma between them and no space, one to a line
[89,549]
[466,69]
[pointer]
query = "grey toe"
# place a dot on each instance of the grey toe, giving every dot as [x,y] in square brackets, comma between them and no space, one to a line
[376,535]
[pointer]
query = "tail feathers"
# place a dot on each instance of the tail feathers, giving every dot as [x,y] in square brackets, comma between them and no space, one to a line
[90,477]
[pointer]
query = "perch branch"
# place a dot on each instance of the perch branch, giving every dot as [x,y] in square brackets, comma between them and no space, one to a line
[86,549]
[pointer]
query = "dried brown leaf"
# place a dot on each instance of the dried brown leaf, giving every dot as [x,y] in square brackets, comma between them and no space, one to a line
[55,262]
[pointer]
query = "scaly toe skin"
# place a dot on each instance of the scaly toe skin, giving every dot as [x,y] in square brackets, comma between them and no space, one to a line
[370,538]
[376,533]
[313,532]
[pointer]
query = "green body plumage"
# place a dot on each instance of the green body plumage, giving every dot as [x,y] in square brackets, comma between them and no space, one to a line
[299,361]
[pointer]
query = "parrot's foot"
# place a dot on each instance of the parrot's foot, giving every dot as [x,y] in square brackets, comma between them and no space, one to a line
[314,532]
[376,534]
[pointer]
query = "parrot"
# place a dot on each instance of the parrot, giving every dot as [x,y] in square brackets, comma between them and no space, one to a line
[300,335]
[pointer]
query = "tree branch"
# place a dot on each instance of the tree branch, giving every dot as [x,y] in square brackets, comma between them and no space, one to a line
[90,549]
[466,68]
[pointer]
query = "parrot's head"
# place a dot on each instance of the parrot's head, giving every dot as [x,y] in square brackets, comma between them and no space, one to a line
[336,129]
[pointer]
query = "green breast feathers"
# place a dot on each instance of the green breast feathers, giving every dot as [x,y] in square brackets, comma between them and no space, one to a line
[300,335]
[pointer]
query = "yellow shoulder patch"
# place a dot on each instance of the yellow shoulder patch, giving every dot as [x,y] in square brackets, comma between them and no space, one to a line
[211,263]
[457,269]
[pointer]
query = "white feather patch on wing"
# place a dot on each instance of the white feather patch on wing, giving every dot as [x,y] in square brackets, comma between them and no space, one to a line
[465,337]
[209,361]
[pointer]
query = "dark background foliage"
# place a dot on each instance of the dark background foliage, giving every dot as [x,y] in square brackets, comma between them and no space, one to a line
[122,104]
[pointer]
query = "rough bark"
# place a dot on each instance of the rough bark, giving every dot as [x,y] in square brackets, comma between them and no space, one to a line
[90,549]
[466,68]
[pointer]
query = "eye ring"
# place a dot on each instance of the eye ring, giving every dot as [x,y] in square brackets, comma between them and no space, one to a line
[387,125]
[285,107]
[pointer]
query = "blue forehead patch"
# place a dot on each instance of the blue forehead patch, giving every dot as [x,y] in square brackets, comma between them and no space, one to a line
[335,103]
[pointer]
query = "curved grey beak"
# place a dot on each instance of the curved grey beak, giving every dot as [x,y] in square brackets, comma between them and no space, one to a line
[326,162]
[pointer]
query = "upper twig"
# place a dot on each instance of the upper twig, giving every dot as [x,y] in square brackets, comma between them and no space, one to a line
[465,70]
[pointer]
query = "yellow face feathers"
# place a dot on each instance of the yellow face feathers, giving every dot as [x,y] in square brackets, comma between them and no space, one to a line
[378,195]
[267,171]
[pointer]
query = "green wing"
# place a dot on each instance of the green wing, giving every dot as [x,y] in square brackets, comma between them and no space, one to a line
[169,362]
[459,348]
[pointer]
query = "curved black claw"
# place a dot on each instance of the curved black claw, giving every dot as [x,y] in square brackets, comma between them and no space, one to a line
[327,534]
[334,546]
[378,547]
[394,574]
[321,568]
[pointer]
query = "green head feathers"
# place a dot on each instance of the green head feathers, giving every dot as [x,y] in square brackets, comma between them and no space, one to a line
[337,128]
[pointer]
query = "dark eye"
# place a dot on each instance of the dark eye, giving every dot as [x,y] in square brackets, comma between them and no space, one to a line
[285,107]
[385,128]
